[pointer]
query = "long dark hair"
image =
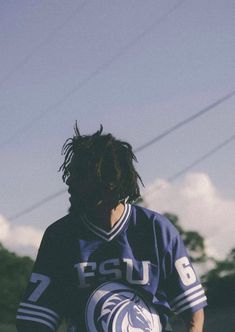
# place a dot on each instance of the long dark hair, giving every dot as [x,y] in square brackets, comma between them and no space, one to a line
[107,160]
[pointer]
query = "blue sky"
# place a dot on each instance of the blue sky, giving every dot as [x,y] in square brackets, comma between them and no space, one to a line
[137,67]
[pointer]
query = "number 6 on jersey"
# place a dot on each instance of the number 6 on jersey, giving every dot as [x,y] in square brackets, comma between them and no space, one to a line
[185,271]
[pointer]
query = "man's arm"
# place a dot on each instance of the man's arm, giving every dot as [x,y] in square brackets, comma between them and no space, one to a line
[42,307]
[194,321]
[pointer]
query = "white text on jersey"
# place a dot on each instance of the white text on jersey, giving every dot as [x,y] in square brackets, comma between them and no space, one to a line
[113,269]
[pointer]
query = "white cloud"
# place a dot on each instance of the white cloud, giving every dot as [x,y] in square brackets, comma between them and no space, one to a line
[22,239]
[199,207]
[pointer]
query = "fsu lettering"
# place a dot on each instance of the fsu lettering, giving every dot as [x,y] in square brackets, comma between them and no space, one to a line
[113,269]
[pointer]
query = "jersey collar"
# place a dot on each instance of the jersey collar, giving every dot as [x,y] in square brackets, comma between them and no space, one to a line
[118,227]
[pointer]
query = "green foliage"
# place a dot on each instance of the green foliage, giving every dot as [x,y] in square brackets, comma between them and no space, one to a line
[14,273]
[223,268]
[195,244]
[221,282]
[221,291]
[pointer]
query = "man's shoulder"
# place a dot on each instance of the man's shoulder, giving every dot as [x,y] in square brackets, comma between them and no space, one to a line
[60,226]
[159,221]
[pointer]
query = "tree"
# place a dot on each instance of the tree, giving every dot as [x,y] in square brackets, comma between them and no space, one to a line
[14,273]
[220,282]
[223,268]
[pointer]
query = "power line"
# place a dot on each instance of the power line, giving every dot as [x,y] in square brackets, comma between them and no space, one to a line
[170,179]
[27,57]
[202,158]
[194,163]
[37,205]
[92,75]
[185,121]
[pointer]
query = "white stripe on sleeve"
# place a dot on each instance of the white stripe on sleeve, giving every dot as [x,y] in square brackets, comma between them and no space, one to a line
[192,304]
[188,299]
[189,291]
[37,320]
[40,314]
[39,308]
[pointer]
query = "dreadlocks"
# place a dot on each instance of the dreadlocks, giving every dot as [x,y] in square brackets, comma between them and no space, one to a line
[105,160]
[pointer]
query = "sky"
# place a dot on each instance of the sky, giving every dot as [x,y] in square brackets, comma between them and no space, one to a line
[138,68]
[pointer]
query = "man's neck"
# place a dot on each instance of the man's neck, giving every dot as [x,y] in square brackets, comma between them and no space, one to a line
[106,218]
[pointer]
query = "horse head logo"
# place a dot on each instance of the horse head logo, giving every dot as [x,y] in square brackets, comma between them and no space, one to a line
[117,308]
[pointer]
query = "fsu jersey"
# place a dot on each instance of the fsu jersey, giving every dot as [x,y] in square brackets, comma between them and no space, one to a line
[127,279]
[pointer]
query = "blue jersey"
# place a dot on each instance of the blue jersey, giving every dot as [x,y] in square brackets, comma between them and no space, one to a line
[127,279]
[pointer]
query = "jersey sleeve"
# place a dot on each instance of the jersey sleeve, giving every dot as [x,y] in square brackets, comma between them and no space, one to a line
[41,308]
[184,289]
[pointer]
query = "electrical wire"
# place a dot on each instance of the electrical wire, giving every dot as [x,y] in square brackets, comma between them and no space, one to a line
[185,121]
[145,145]
[170,179]
[205,156]
[31,123]
[37,205]
[27,57]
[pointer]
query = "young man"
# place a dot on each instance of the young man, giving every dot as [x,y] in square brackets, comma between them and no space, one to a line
[109,265]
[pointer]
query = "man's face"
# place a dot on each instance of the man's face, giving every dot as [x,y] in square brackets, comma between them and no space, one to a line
[80,187]
[86,192]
